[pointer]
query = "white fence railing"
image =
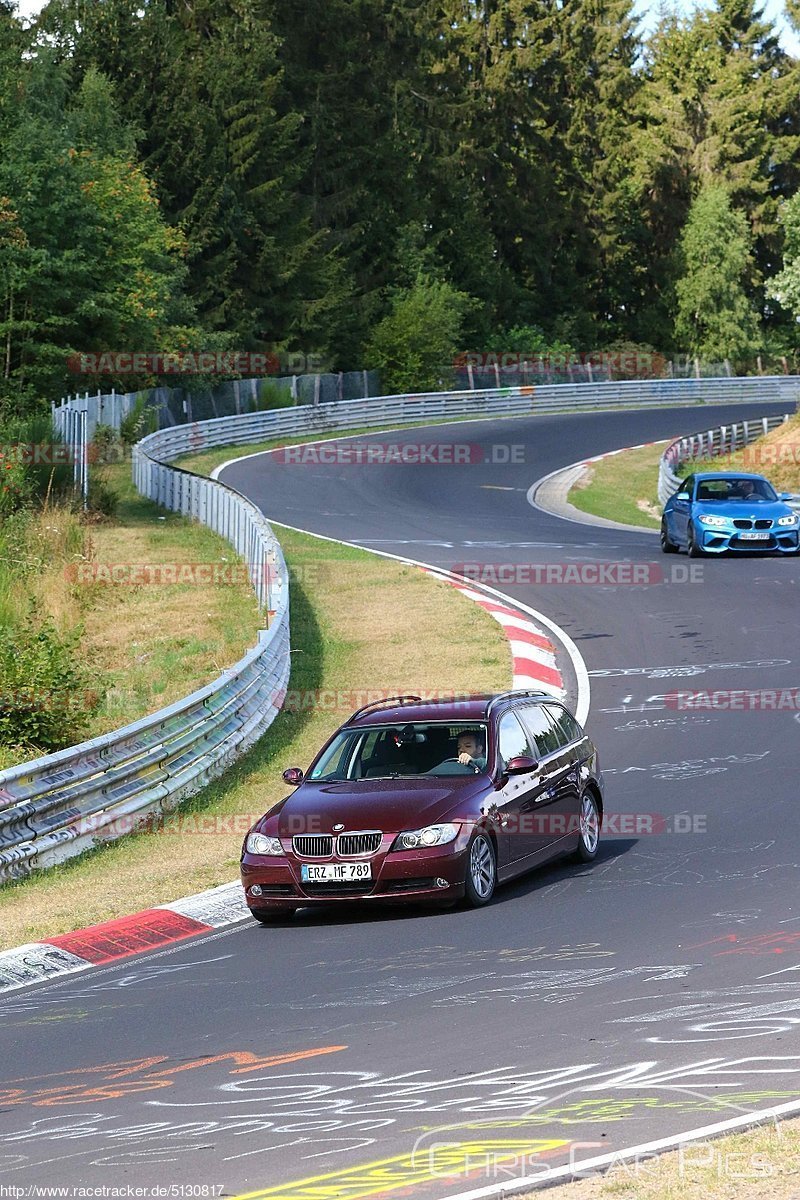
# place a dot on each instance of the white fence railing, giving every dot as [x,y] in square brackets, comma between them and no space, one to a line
[725,439]
[61,804]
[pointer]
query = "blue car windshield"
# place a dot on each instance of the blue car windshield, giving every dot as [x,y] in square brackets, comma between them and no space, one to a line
[727,490]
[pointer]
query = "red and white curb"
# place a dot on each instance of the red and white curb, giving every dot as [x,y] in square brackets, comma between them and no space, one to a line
[532,651]
[66,953]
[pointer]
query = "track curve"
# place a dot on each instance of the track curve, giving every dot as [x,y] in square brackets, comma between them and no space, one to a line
[587,1009]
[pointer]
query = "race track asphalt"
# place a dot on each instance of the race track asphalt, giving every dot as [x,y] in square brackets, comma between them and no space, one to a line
[585,1010]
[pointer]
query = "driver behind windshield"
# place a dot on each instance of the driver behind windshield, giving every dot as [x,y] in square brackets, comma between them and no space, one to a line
[748,489]
[471,750]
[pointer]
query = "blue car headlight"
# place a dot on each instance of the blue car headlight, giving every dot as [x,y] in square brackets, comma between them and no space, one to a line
[790,521]
[717,522]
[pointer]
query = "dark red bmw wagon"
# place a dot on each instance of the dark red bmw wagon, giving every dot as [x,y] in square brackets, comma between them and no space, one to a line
[428,802]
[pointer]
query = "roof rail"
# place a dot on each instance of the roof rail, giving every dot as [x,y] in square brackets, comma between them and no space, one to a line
[516,693]
[387,700]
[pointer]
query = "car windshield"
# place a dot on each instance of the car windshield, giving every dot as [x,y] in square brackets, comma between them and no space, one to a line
[391,751]
[749,490]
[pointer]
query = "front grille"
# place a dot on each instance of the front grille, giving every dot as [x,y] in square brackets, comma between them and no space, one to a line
[313,845]
[768,544]
[743,524]
[763,524]
[339,889]
[349,845]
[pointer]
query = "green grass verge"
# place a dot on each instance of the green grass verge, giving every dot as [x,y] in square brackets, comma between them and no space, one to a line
[623,487]
[143,645]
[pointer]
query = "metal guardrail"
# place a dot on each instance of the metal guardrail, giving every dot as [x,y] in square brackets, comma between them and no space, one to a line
[60,805]
[499,402]
[725,439]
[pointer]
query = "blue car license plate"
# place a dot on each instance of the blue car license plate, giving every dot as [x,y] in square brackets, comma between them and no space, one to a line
[754,537]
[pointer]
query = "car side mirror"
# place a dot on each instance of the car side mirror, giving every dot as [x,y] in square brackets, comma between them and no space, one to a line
[521,765]
[786,496]
[293,775]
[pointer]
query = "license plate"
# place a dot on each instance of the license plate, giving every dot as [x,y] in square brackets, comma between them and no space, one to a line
[334,872]
[754,537]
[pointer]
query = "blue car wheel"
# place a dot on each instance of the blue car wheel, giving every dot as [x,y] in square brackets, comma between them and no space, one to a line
[667,546]
[692,548]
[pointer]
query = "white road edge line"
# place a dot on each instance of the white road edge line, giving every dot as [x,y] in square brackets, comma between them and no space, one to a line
[574,654]
[570,1173]
[582,462]
[567,1173]
[578,665]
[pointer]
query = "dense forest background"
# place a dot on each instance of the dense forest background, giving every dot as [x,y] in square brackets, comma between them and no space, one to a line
[346,177]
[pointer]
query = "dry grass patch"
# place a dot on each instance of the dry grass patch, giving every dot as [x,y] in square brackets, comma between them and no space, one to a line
[760,1164]
[775,455]
[153,643]
[368,624]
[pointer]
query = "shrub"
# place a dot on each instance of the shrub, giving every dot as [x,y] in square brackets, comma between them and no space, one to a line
[271,394]
[141,420]
[45,694]
[102,499]
[107,445]
[416,342]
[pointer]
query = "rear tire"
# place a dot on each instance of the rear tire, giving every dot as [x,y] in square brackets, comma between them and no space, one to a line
[481,874]
[667,547]
[271,916]
[588,828]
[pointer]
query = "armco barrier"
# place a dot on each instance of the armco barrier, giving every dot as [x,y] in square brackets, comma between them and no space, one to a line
[59,805]
[499,402]
[725,439]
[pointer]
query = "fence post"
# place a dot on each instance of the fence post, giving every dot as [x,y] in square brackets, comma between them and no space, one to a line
[85,459]
[366,385]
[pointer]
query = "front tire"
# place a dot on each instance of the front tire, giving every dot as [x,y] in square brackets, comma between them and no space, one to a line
[481,875]
[692,548]
[588,828]
[667,547]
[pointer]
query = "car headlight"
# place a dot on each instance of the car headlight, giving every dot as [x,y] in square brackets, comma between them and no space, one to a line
[259,843]
[787,520]
[717,522]
[431,835]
